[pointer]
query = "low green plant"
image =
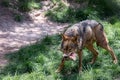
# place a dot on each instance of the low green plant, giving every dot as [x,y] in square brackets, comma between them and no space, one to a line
[18,17]
[106,8]
[113,19]
[5,3]
[94,10]
[63,13]
[27,5]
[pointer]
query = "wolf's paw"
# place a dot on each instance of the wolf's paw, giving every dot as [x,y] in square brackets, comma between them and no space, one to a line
[115,61]
[57,71]
[92,62]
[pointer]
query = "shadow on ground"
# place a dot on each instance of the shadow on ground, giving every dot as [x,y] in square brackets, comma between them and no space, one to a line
[22,61]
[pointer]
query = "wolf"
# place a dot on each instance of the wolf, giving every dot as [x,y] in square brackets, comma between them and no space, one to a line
[80,35]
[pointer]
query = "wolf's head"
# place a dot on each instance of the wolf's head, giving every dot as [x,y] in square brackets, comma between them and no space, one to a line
[69,47]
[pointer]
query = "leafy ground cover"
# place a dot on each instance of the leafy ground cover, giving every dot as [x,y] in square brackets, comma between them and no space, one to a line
[39,61]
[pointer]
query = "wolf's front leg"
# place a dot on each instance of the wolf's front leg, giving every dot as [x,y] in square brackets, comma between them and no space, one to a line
[61,65]
[80,60]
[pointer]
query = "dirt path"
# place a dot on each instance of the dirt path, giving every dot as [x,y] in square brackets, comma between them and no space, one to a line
[14,34]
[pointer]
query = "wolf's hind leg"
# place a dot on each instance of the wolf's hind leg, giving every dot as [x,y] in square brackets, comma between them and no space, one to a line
[108,48]
[102,41]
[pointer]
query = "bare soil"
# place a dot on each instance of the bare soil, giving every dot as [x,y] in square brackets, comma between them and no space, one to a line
[14,35]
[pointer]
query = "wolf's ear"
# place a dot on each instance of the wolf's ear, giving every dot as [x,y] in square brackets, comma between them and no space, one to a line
[64,37]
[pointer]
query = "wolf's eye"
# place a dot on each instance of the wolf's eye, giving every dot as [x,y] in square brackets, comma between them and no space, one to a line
[70,49]
[64,49]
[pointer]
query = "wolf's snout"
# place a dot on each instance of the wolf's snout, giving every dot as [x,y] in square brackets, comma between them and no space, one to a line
[65,55]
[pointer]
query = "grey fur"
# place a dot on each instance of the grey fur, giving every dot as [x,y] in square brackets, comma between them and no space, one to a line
[84,30]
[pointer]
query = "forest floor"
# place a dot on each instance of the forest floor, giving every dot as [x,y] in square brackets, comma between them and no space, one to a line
[14,35]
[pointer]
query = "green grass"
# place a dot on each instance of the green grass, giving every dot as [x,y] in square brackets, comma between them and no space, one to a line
[39,61]
[27,5]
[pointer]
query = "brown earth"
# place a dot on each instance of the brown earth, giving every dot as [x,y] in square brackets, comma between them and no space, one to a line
[14,35]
